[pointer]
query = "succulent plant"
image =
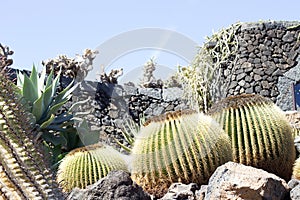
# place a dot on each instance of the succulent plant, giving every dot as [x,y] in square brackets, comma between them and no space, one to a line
[23,172]
[260,134]
[41,95]
[296,169]
[54,125]
[86,165]
[181,146]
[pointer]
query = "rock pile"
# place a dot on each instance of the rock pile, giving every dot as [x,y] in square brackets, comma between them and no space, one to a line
[229,181]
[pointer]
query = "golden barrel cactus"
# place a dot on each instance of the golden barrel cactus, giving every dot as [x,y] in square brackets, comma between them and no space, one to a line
[86,165]
[182,146]
[260,133]
[296,169]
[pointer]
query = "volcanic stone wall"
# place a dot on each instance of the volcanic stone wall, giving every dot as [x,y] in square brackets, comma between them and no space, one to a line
[267,62]
[109,106]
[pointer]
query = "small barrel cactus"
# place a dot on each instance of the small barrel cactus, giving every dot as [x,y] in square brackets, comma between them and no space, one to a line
[296,169]
[86,165]
[181,146]
[260,134]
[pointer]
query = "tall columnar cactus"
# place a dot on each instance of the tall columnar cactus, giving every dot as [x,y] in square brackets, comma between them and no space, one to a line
[86,165]
[260,134]
[23,172]
[182,146]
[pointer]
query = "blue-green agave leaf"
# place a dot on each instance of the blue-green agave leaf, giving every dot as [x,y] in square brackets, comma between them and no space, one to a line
[49,79]
[55,108]
[66,93]
[47,123]
[29,91]
[62,118]
[34,77]
[41,81]
[38,108]
[20,80]
[48,97]
[55,84]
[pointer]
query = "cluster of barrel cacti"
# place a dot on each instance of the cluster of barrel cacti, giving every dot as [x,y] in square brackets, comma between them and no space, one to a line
[182,146]
[187,146]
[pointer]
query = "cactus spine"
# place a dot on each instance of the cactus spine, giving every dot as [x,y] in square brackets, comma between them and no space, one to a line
[260,134]
[23,173]
[182,146]
[86,165]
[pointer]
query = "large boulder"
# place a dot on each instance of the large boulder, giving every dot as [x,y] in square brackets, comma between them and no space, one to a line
[116,185]
[237,181]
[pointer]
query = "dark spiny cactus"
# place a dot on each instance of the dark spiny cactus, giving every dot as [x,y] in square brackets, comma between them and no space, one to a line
[23,172]
[182,146]
[260,134]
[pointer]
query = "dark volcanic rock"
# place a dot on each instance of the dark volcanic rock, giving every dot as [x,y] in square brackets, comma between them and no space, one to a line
[116,185]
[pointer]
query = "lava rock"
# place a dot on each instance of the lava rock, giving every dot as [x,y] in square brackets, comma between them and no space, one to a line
[116,185]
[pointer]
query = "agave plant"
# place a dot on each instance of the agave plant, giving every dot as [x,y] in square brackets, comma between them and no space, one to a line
[45,101]
[43,98]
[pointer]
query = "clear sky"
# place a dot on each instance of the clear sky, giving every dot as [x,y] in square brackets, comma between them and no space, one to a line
[38,30]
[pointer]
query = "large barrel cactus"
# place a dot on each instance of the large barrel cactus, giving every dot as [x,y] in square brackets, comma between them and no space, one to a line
[182,146]
[86,165]
[260,134]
